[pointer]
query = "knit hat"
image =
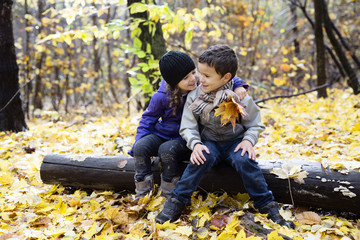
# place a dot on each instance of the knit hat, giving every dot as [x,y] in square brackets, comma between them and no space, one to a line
[174,66]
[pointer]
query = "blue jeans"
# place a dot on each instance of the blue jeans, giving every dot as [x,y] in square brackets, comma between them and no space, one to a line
[252,177]
[171,153]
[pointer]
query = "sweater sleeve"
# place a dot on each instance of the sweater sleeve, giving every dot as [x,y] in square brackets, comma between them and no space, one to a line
[238,82]
[189,127]
[252,122]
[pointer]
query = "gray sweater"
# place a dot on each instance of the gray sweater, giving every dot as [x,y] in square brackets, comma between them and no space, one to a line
[195,128]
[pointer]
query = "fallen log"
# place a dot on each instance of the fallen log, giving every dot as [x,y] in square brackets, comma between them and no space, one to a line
[322,188]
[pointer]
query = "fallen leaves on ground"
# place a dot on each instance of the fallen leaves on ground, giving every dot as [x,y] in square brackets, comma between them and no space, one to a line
[306,128]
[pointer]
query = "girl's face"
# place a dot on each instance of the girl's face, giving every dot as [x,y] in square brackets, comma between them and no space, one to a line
[189,82]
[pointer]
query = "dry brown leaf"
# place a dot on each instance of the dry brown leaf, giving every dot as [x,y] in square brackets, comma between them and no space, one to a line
[308,217]
[219,221]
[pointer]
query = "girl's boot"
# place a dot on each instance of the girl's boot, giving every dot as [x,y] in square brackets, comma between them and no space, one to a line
[167,187]
[144,187]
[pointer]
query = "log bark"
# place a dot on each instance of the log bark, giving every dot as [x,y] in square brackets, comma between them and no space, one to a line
[323,188]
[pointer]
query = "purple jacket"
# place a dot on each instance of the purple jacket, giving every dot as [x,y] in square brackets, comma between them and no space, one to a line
[159,119]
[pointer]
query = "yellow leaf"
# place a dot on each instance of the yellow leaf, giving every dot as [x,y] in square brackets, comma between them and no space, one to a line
[184,230]
[166,225]
[241,235]
[274,236]
[356,127]
[273,70]
[90,232]
[6,179]
[229,111]
[243,53]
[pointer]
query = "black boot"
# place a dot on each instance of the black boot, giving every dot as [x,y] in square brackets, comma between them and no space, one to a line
[171,211]
[272,209]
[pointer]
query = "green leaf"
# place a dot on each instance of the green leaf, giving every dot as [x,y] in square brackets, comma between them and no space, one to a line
[133,81]
[138,8]
[141,77]
[137,43]
[140,54]
[188,37]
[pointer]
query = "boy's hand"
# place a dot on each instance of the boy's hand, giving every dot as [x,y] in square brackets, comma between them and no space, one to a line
[246,146]
[241,92]
[197,156]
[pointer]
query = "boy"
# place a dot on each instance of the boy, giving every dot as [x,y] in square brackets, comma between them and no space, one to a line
[212,143]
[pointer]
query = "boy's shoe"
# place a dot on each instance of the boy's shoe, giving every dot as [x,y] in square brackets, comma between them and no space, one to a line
[167,187]
[171,211]
[144,187]
[272,209]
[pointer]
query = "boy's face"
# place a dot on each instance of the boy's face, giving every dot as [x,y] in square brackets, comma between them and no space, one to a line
[189,82]
[210,80]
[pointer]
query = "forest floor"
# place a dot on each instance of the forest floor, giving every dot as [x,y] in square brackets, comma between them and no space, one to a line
[304,127]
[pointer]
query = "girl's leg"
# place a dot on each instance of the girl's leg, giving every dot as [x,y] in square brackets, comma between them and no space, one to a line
[144,149]
[172,155]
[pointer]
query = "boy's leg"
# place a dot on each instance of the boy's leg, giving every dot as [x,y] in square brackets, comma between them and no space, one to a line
[189,182]
[172,154]
[255,184]
[193,173]
[144,149]
[251,175]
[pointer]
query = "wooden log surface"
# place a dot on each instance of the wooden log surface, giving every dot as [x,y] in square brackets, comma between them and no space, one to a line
[323,188]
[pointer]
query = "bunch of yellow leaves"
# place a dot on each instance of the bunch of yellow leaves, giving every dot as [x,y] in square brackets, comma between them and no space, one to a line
[229,111]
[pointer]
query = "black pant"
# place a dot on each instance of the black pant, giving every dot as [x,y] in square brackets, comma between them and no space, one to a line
[171,153]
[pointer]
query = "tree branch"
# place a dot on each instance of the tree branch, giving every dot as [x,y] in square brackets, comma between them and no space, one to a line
[292,95]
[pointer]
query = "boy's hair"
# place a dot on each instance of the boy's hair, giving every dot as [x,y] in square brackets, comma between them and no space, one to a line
[222,58]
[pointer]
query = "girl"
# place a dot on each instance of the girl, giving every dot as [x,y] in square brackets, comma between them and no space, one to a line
[158,130]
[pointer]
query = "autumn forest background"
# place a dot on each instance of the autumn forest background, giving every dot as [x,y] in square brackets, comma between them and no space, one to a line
[87,69]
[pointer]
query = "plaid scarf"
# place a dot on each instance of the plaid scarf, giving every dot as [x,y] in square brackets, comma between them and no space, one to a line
[206,102]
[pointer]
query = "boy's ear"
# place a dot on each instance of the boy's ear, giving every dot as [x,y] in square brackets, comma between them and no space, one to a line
[227,77]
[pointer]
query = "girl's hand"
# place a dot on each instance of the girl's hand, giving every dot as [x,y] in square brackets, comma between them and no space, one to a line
[246,146]
[197,156]
[241,92]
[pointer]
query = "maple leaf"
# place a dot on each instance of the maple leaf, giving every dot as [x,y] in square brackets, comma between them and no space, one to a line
[290,170]
[229,111]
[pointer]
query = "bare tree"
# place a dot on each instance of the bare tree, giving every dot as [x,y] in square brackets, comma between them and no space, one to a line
[320,49]
[11,113]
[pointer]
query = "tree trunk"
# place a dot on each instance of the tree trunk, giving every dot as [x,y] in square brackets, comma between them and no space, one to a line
[353,81]
[37,101]
[323,187]
[11,113]
[156,41]
[336,61]
[295,29]
[109,59]
[27,67]
[320,49]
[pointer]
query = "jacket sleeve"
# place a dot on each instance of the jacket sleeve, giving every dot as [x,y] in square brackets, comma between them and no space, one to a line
[150,117]
[238,82]
[189,127]
[252,122]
